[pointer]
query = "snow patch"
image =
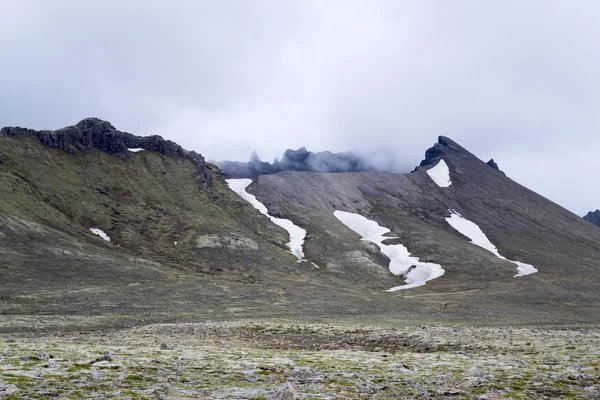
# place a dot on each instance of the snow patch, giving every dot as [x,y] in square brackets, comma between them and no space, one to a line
[297,234]
[135,150]
[474,232]
[100,233]
[524,269]
[440,174]
[415,272]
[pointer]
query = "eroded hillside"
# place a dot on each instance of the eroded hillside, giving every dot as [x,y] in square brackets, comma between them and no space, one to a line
[184,246]
[524,227]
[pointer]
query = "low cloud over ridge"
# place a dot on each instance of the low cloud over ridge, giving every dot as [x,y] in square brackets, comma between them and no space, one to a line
[512,80]
[304,160]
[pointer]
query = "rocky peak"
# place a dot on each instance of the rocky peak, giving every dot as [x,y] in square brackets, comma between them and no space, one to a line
[433,153]
[295,156]
[93,123]
[95,133]
[445,146]
[493,164]
[593,217]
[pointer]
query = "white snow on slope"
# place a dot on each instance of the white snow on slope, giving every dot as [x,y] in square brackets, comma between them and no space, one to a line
[100,233]
[415,272]
[524,269]
[296,233]
[135,150]
[440,174]
[473,232]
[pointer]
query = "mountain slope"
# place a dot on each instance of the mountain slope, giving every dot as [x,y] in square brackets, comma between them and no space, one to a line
[523,225]
[145,201]
[183,245]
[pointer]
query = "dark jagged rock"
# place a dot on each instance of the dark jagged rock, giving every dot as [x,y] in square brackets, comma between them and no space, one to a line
[437,151]
[96,133]
[298,160]
[493,164]
[593,217]
[433,153]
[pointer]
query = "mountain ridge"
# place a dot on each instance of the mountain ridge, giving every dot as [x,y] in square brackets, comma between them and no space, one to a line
[308,161]
[184,249]
[93,132]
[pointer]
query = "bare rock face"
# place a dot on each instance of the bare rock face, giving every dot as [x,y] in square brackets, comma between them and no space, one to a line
[593,217]
[494,165]
[433,153]
[96,133]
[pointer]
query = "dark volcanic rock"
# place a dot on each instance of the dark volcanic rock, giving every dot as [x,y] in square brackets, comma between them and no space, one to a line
[96,133]
[433,153]
[298,160]
[442,146]
[593,217]
[493,164]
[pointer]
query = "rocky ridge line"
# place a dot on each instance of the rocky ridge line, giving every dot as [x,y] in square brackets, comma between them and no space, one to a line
[96,133]
[298,160]
[435,152]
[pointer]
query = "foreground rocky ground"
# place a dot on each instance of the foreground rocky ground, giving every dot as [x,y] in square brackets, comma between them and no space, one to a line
[250,360]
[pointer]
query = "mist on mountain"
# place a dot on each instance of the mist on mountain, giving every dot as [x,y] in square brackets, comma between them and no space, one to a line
[304,160]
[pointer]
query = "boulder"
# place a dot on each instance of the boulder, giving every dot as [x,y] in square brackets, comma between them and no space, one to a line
[284,392]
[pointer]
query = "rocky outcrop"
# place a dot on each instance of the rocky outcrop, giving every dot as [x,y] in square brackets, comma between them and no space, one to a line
[593,217]
[433,153]
[493,164]
[95,133]
[298,160]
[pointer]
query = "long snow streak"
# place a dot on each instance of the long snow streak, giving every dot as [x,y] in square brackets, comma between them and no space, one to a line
[440,174]
[296,233]
[100,233]
[473,232]
[414,272]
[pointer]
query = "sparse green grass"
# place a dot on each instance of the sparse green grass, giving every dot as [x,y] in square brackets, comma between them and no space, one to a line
[222,362]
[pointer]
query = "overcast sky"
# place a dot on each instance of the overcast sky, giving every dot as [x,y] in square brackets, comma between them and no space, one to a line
[518,81]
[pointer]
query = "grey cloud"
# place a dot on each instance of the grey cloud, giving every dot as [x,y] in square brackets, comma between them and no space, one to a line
[512,80]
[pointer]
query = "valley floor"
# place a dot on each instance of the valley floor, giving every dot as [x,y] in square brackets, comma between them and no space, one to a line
[251,359]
